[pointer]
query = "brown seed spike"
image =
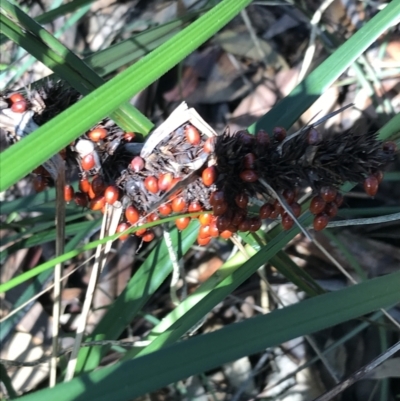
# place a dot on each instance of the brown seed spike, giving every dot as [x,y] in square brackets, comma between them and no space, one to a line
[371,185]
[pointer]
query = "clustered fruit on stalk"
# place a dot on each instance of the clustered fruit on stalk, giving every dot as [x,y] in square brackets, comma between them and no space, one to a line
[238,168]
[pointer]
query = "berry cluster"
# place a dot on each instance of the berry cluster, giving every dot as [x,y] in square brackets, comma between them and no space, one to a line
[216,177]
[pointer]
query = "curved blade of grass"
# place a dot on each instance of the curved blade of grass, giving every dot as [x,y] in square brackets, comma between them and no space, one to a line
[15,162]
[125,381]
[289,109]
[47,49]
[38,285]
[151,274]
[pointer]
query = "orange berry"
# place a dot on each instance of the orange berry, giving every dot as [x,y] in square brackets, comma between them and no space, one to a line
[19,106]
[84,185]
[178,204]
[152,217]
[132,214]
[182,222]
[68,193]
[121,228]
[214,232]
[242,200]
[209,176]
[164,181]
[195,207]
[80,199]
[148,236]
[97,134]
[111,194]
[320,222]
[328,194]
[192,135]
[371,185]
[16,97]
[137,164]
[249,176]
[266,211]
[97,203]
[91,193]
[226,234]
[129,136]
[209,145]
[204,232]
[88,162]
[165,209]
[203,241]
[140,231]
[205,219]
[317,205]
[151,184]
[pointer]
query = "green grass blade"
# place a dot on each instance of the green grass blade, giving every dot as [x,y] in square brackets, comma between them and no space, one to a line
[126,381]
[80,117]
[289,109]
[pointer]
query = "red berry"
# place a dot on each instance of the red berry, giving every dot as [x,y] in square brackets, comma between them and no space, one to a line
[178,204]
[152,217]
[255,224]
[289,195]
[204,232]
[209,145]
[279,134]
[88,162]
[165,209]
[331,209]
[97,134]
[151,184]
[16,97]
[328,194]
[19,107]
[137,164]
[244,226]
[80,199]
[266,211]
[262,139]
[320,222]
[313,137]
[226,234]
[217,198]
[84,185]
[214,232]
[39,183]
[242,200]
[249,160]
[97,203]
[278,207]
[205,219]
[389,147]
[98,185]
[249,176]
[165,181]
[245,138]
[132,214]
[192,135]
[68,193]
[339,199]
[194,207]
[238,216]
[223,222]
[220,209]
[379,175]
[317,205]
[121,228]
[275,213]
[111,194]
[209,176]
[287,222]
[203,241]
[182,222]
[296,209]
[148,236]
[371,185]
